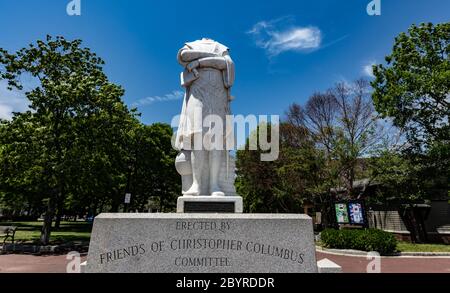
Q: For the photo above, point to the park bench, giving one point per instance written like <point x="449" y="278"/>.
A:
<point x="7" y="232"/>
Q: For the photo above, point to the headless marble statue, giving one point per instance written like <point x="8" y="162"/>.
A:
<point x="208" y="77"/>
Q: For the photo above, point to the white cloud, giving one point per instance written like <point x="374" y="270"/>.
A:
<point x="174" y="96"/>
<point x="368" y="69"/>
<point x="275" y="37"/>
<point x="11" y="101"/>
<point x="5" y="112"/>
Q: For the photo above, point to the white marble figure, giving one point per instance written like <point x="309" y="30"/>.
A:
<point x="208" y="77"/>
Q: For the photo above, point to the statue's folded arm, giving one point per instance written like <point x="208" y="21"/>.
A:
<point x="213" y="62"/>
<point x="187" y="56"/>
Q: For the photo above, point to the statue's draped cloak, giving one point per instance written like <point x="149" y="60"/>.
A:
<point x="206" y="94"/>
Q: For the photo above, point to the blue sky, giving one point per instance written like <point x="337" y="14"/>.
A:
<point x="284" y="50"/>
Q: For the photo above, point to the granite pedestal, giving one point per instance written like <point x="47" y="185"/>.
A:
<point x="202" y="243"/>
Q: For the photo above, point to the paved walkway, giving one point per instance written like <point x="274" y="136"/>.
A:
<point x="403" y="264"/>
<point x="350" y="264"/>
<point x="16" y="263"/>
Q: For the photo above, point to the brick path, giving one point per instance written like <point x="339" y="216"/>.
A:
<point x="15" y="263"/>
<point x="350" y="264"/>
<point x="358" y="264"/>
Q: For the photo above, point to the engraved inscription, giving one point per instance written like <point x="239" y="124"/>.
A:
<point x="203" y="226"/>
<point x="202" y="262"/>
<point x="122" y="253"/>
<point x="199" y="246"/>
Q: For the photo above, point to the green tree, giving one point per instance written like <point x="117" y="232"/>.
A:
<point x="256" y="179"/>
<point x="343" y="125"/>
<point x="74" y="110"/>
<point x="405" y="182"/>
<point x="153" y="173"/>
<point x="413" y="87"/>
<point x="284" y="185"/>
<point x="399" y="177"/>
<point x="320" y="148"/>
<point x="20" y="167"/>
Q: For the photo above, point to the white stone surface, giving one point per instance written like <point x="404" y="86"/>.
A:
<point x="237" y="200"/>
<point x="208" y="77"/>
<point x="326" y="266"/>
<point x="83" y="267"/>
<point x="224" y="243"/>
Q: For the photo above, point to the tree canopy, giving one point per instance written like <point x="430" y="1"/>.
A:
<point x="413" y="87"/>
<point x="78" y="148"/>
<point x="321" y="146"/>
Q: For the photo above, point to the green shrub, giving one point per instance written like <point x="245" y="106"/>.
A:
<point x="365" y="240"/>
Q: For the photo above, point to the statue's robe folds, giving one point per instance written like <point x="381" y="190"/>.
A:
<point x="206" y="94"/>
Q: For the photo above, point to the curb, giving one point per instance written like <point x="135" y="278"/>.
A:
<point x="351" y="252"/>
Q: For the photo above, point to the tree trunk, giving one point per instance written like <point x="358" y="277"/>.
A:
<point x="351" y="191"/>
<point x="415" y="224"/>
<point x="58" y="220"/>
<point x="59" y="214"/>
<point x="29" y="211"/>
<point x="115" y="207"/>
<point x="142" y="207"/>
<point x="420" y="222"/>
<point x="324" y="210"/>
<point x="48" y="219"/>
<point x="100" y="210"/>
<point x="94" y="208"/>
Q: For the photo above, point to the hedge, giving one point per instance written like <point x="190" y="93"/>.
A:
<point x="365" y="240"/>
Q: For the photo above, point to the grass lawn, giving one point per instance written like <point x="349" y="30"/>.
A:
<point x="410" y="247"/>
<point x="29" y="232"/>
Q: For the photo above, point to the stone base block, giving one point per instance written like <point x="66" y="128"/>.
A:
<point x="83" y="267"/>
<point x="326" y="266"/>
<point x="202" y="243"/>
<point x="210" y="204"/>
